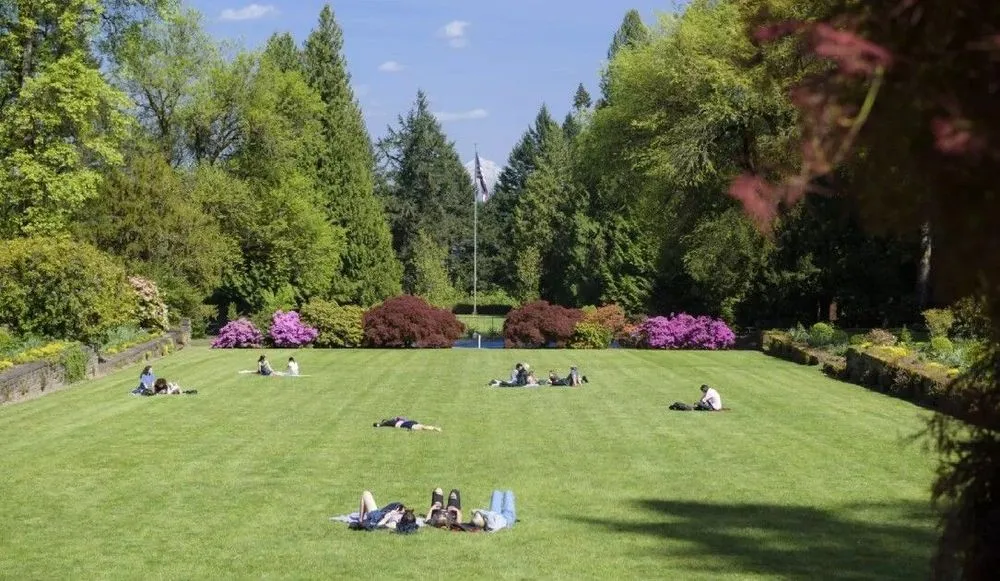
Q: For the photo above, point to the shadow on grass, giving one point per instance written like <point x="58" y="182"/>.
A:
<point x="859" y="542"/>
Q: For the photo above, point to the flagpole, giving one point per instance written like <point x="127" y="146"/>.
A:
<point x="475" y="239"/>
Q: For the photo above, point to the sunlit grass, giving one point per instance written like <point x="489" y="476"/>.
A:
<point x="806" y="478"/>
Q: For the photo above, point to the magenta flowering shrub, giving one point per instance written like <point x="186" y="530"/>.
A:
<point x="287" y="330"/>
<point x="684" y="331"/>
<point x="238" y="334"/>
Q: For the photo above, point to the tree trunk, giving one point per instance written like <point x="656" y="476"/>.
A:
<point x="924" y="273"/>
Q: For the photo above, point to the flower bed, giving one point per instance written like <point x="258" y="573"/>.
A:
<point x="890" y="368"/>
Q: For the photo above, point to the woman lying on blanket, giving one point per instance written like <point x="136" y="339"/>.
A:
<point x="401" y="422"/>
<point x="393" y="516"/>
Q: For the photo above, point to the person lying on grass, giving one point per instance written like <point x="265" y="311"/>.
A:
<point x="501" y="514"/>
<point x="574" y="378"/>
<point x="441" y="516"/>
<point x="394" y="516"/>
<point x="405" y="423"/>
<point x="162" y="387"/>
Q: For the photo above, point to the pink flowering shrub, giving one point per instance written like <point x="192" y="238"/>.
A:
<point x="238" y="334"/>
<point x="684" y="331"/>
<point x="287" y="330"/>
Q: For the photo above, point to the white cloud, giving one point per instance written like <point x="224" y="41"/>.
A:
<point x="462" y="115"/>
<point x="251" y="12"/>
<point x="390" y="67"/>
<point x="454" y="31"/>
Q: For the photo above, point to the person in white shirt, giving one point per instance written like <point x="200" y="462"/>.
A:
<point x="710" y="400"/>
<point x="293" y="367"/>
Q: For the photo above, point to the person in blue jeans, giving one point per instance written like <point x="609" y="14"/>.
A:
<point x="501" y="514"/>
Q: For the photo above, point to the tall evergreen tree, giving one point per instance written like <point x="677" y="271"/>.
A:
<point x="429" y="190"/>
<point x="570" y="127"/>
<point x="632" y="33"/>
<point x="282" y="52"/>
<point x="370" y="271"/>
<point x="545" y="208"/>
<point x="429" y="272"/>
<point x="496" y="238"/>
<point x="581" y="100"/>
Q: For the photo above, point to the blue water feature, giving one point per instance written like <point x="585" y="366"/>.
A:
<point x="486" y="343"/>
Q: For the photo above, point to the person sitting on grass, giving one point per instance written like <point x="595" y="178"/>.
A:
<point x="405" y="423"/>
<point x="518" y="377"/>
<point x="264" y="366"/>
<point x="441" y="516"/>
<point x="710" y="400"/>
<point x="293" y="367"/>
<point x="146" y="382"/>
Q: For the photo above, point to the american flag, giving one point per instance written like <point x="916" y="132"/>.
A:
<point x="480" y="181"/>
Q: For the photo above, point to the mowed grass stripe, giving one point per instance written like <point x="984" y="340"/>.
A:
<point x="805" y="478"/>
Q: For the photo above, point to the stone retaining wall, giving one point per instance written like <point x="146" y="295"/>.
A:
<point x="31" y="380"/>
<point x="776" y="344"/>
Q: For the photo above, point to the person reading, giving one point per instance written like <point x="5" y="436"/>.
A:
<point x="710" y="400"/>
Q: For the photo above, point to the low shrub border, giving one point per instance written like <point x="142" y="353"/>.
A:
<point x="895" y="378"/>
<point x="878" y="369"/>
<point x="37" y="378"/>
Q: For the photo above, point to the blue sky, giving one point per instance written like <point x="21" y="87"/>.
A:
<point x="486" y="67"/>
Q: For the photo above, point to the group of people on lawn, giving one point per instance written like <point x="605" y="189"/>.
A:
<point x="523" y="376"/>
<point x="398" y="517"/>
<point x="264" y="367"/>
<point x="448" y="515"/>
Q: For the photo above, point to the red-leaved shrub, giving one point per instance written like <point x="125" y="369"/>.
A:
<point x="539" y="324"/>
<point x="409" y="321"/>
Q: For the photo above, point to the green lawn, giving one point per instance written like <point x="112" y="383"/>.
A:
<point x="484" y="324"/>
<point x="806" y="478"/>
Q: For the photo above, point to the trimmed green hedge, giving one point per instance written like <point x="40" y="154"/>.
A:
<point x="884" y="371"/>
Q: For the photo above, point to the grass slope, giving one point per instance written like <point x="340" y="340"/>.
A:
<point x="485" y="324"/>
<point x="806" y="478"/>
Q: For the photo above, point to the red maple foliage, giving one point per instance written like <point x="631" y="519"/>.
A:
<point x="540" y="324"/>
<point x="410" y="321"/>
